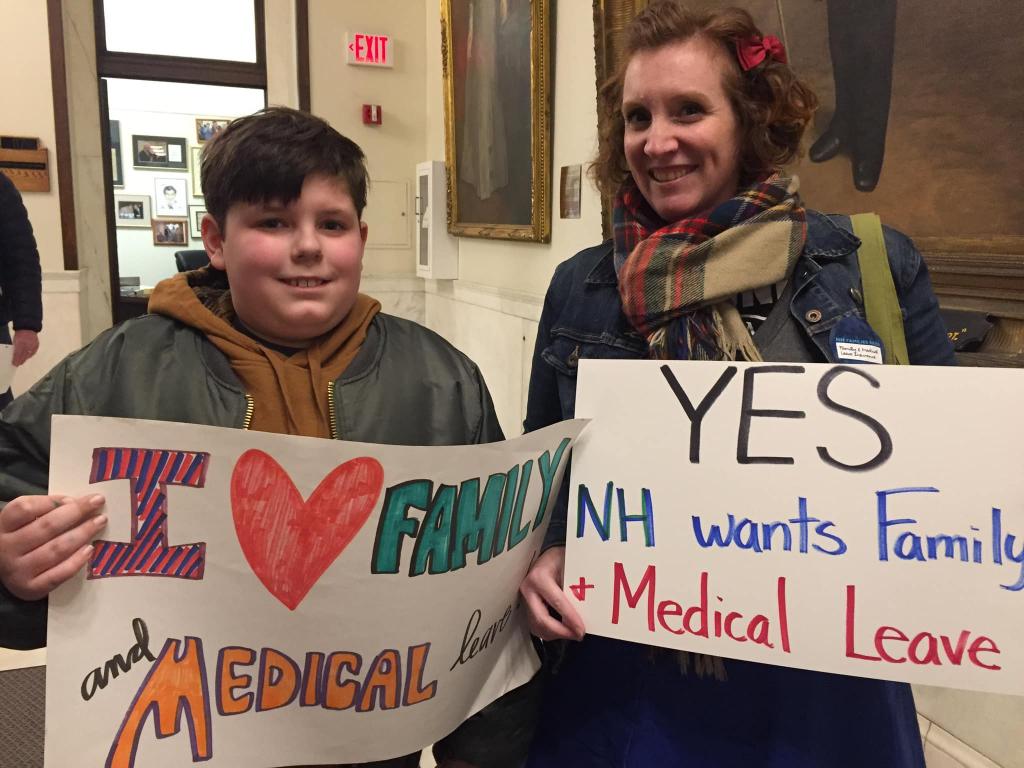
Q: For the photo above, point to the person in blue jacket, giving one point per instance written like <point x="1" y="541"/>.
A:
<point x="714" y="257"/>
<point x="21" y="299"/>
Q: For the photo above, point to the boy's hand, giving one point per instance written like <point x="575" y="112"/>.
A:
<point x="44" y="541"/>
<point x="542" y="591"/>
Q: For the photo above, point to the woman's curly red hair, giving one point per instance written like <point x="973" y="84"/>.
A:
<point x="773" y="105"/>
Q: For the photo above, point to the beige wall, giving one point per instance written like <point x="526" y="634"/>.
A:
<point x="26" y="109"/>
<point x="337" y="92"/>
<point x="282" y="66"/>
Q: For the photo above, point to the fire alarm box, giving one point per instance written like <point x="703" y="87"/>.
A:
<point x="372" y="114"/>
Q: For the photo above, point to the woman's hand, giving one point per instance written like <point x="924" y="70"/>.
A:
<point x="44" y="541"/>
<point x="542" y="591"/>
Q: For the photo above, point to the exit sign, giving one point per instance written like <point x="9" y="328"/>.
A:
<point x="374" y="50"/>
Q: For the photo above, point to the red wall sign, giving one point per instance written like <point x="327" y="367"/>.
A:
<point x="373" y="50"/>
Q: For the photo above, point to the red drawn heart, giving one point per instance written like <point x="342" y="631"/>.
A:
<point x="288" y="542"/>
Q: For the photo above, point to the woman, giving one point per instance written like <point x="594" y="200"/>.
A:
<point x="702" y="115"/>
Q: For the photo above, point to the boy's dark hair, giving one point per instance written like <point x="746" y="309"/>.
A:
<point x="268" y="155"/>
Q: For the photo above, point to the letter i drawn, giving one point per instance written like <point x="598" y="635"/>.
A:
<point x="149" y="553"/>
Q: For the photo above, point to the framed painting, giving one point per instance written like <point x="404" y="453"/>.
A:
<point x="208" y="127"/>
<point x="160" y="152"/>
<point x="132" y="210"/>
<point x="170" y="196"/>
<point x="169" y="231"/>
<point x="497" y="69"/>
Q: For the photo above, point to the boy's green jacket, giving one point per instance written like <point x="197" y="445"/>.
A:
<point x="406" y="386"/>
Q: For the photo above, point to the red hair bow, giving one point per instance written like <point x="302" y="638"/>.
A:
<point x="753" y="50"/>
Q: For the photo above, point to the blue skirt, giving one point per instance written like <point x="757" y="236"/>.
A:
<point x="623" y="705"/>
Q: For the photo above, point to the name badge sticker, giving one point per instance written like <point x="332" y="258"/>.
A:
<point x="854" y="341"/>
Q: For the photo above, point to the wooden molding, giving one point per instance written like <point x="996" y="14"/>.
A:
<point x="981" y="282"/>
<point x="302" y="52"/>
<point x="62" y="129"/>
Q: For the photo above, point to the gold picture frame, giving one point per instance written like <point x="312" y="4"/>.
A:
<point x="610" y="20"/>
<point x="499" y="165"/>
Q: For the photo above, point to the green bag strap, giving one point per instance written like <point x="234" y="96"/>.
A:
<point x="881" y="304"/>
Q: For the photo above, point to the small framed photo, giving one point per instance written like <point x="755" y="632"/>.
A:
<point x="196" y="168"/>
<point x="132" y="210"/>
<point x="208" y="127"/>
<point x="170" y="194"/>
<point x="167" y="152"/>
<point x="170" y="231"/>
<point x="195" y="220"/>
<point x="116" y="163"/>
<point x="571" y="188"/>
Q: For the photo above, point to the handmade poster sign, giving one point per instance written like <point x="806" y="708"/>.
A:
<point x="265" y="600"/>
<point x="6" y="366"/>
<point x="835" y="518"/>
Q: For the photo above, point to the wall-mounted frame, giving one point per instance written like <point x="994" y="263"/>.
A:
<point x="132" y="211"/>
<point x="195" y="168"/>
<point x="195" y="220"/>
<point x="160" y="152"/>
<point x="208" y="127"/>
<point x="498" y="162"/>
<point x="116" y="160"/>
<point x="170" y="196"/>
<point x="169" y="231"/>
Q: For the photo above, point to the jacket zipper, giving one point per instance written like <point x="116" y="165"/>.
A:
<point x="331" y="415"/>
<point x="250" y="406"/>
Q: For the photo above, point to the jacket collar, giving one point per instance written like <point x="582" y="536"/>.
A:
<point x="603" y="272"/>
<point x="826" y="239"/>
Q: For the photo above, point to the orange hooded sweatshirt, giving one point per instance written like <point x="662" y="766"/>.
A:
<point x="288" y="394"/>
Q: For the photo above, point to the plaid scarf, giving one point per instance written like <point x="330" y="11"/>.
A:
<point x="678" y="281"/>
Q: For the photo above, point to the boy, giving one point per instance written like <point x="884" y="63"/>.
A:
<point x="274" y="336"/>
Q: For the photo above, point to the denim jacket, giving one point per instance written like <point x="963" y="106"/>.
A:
<point x="582" y="317"/>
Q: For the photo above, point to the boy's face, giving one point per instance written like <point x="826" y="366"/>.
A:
<point x="294" y="269"/>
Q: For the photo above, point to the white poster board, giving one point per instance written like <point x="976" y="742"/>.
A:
<point x="266" y="600"/>
<point x="864" y="520"/>
<point x="6" y="366"/>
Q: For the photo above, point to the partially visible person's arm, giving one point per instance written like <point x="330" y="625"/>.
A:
<point x="20" y="273"/>
<point x="32" y="518"/>
<point x="542" y="587"/>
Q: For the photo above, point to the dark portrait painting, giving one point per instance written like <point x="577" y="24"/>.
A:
<point x="497" y="119"/>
